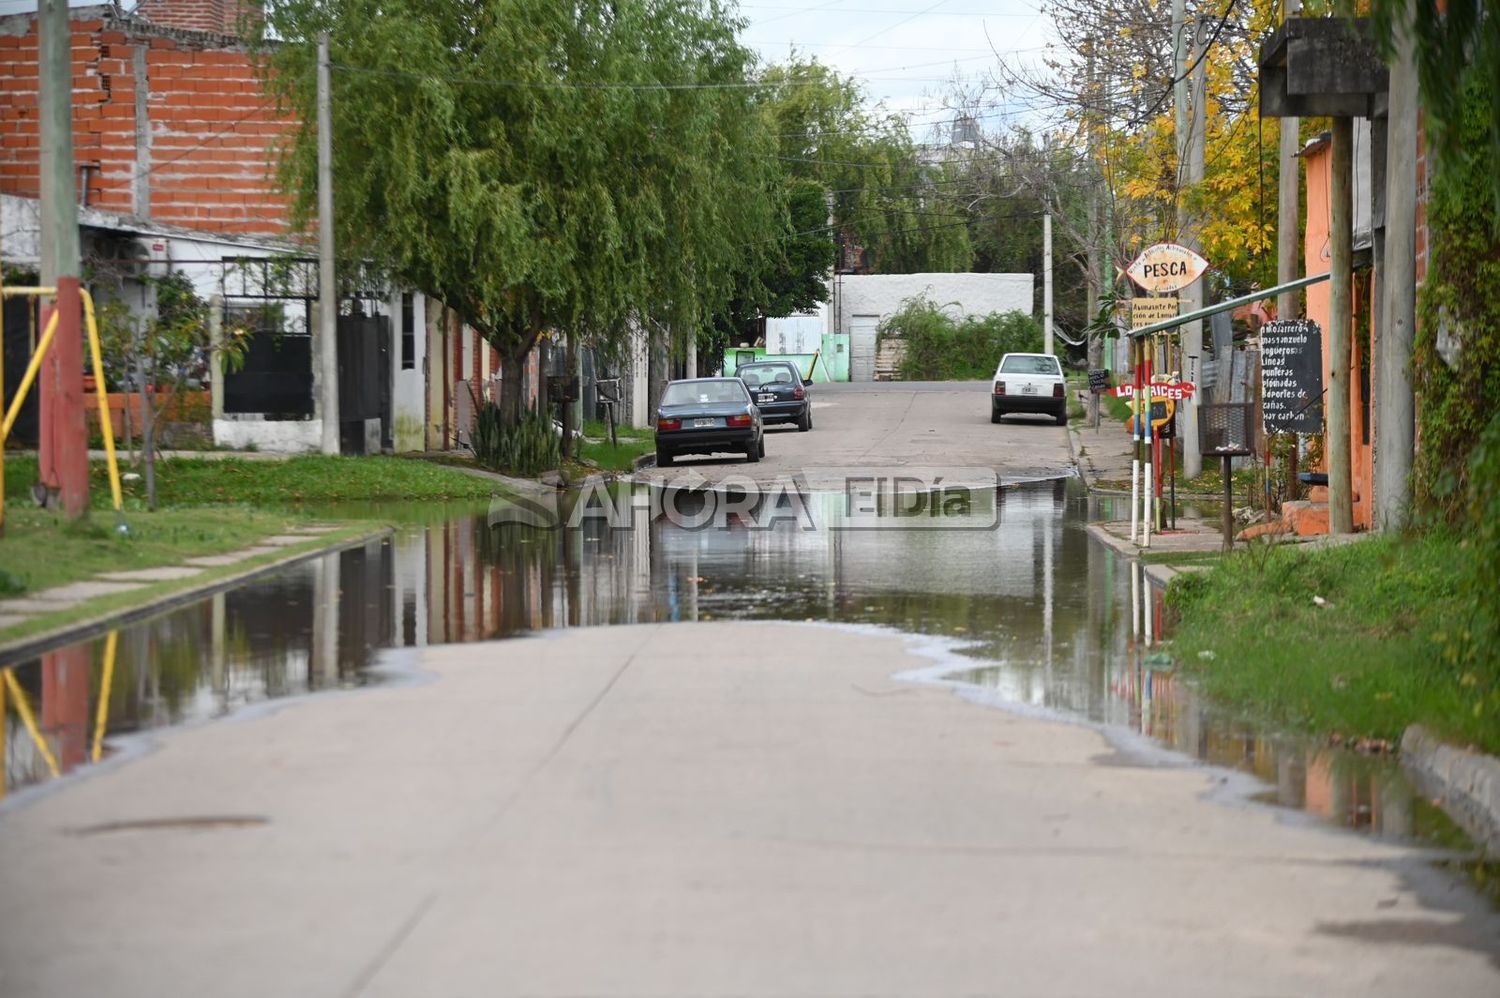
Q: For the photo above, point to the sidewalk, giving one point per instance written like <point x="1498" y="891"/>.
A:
<point x="1104" y="455"/>
<point x="86" y="603"/>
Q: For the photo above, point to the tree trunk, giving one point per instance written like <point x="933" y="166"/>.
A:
<point x="569" y="410"/>
<point x="511" y="368"/>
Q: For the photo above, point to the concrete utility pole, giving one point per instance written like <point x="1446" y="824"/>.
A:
<point x="1340" y="323"/>
<point x="1192" y="296"/>
<point x="326" y="369"/>
<point x="1395" y="409"/>
<point x="1288" y="205"/>
<point x="63" y="454"/>
<point x="1047" y="279"/>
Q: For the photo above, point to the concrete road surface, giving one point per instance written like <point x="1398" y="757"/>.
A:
<point x="894" y="425"/>
<point x="697" y="809"/>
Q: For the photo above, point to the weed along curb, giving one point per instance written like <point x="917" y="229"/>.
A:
<point x="1465" y="783"/>
<point x="170" y="594"/>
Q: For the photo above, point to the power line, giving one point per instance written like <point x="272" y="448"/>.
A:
<point x="569" y="85"/>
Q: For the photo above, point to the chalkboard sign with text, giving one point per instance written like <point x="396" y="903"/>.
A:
<point x="1291" y="376"/>
<point x="1098" y="380"/>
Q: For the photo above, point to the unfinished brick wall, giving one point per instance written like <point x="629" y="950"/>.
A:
<point x="197" y="149"/>
<point x="220" y="16"/>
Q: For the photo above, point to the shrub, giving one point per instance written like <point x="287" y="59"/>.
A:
<point x="940" y="347"/>
<point x="528" y="448"/>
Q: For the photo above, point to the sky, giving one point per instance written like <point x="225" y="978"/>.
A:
<point x="907" y="51"/>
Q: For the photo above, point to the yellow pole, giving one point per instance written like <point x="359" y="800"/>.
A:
<point x="104" y="421"/>
<point x="2" y="494"/>
<point x="18" y="290"/>
<point x="4" y="744"/>
<point x="30" y="376"/>
<point x="101" y="716"/>
<point x="24" y="709"/>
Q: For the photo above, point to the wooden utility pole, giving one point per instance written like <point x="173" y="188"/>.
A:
<point x="326" y="365"/>
<point x="63" y="452"/>
<point x="1395" y="409"/>
<point x="1340" y="325"/>
<point x="1288" y="205"/>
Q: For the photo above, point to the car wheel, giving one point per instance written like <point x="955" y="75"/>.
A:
<point x="995" y="414"/>
<point x="753" y="451"/>
<point x="1062" y="418"/>
<point x="760" y="445"/>
<point x="804" y="422"/>
<point x="663" y="458"/>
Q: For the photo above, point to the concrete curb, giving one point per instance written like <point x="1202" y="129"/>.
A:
<point x="643" y="462"/>
<point x="80" y="629"/>
<point x="1464" y="783"/>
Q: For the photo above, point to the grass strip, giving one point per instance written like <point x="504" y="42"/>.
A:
<point x="309" y="479"/>
<point x="1358" y="640"/>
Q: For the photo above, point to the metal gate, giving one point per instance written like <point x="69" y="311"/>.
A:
<point x="862" y="329"/>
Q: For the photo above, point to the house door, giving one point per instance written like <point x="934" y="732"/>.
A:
<point x="862" y="347"/>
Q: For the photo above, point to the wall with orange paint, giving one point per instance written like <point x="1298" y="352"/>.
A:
<point x="1316" y="160"/>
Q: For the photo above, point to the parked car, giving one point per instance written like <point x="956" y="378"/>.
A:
<point x="779" y="392"/>
<point x="1029" y="382"/>
<point x="707" y="416"/>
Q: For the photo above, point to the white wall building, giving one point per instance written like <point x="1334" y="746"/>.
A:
<point x="861" y="301"/>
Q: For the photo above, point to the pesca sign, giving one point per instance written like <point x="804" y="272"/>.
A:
<point x="1166" y="267"/>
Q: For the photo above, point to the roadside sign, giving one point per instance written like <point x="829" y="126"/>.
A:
<point x="1098" y="380"/>
<point x="1166" y="267"/>
<point x="1176" y="390"/>
<point x="1291" y="376"/>
<point x="1146" y="311"/>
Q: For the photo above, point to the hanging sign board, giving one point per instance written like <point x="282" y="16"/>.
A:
<point x="1176" y="390"/>
<point x="1148" y="311"/>
<point x="1291" y="376"/>
<point x="1166" y="267"/>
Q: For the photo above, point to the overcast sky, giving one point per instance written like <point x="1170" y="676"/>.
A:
<point x="906" y="51"/>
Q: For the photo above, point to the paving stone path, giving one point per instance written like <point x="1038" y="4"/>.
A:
<point x="14" y="612"/>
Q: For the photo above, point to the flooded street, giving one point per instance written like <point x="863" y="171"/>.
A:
<point x="1052" y="621"/>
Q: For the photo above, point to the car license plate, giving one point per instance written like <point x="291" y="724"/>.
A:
<point x="704" y="424"/>
<point x="1028" y="389"/>
<point x="764" y="397"/>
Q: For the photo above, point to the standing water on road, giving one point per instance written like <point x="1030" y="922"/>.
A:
<point x="1015" y="582"/>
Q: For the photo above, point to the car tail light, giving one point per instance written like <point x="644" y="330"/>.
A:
<point x="1057" y="391"/>
<point x="740" y="420"/>
<point x="999" y="388"/>
<point x="798" y="392"/>
<point x="669" y="424"/>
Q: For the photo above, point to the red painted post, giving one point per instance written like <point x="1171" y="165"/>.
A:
<point x="64" y="453"/>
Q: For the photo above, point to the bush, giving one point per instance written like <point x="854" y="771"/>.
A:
<point x="526" y="449"/>
<point x="940" y="347"/>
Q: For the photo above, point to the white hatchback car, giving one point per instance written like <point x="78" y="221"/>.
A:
<point x="1029" y="382"/>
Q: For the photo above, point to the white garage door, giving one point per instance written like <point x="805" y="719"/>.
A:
<point x="862" y="347"/>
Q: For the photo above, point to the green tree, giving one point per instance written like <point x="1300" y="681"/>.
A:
<point x="534" y="165"/>
<point x="884" y="197"/>
<point x="158" y="353"/>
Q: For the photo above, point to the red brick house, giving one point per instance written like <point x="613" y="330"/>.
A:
<point x="169" y="120"/>
<point x="175" y="144"/>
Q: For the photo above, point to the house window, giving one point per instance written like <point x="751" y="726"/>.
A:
<point x="408" y="332"/>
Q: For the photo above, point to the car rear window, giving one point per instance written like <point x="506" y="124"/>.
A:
<point x="768" y="374"/>
<point x="688" y="392"/>
<point x="1030" y="365"/>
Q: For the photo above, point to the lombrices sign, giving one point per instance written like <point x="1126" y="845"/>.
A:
<point x="1166" y="267"/>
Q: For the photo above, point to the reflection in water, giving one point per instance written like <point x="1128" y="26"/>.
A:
<point x="1051" y="618"/>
